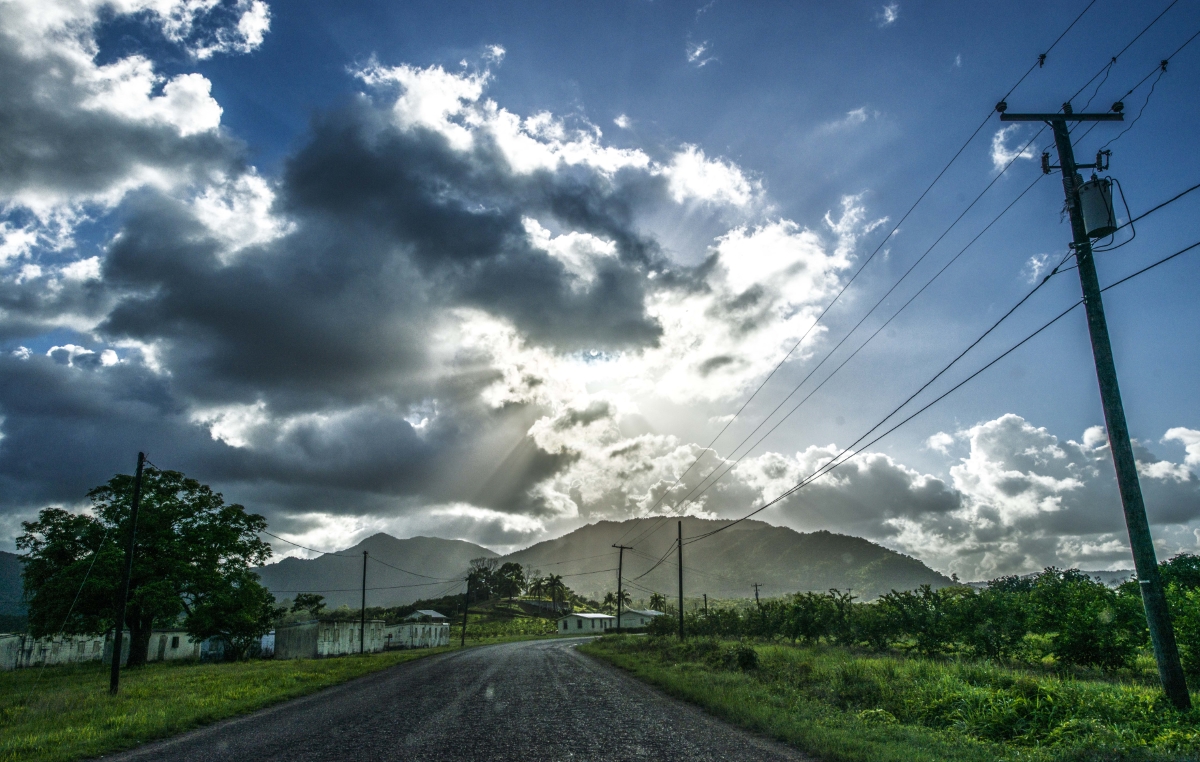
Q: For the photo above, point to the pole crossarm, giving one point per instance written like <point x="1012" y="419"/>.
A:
<point x="1060" y="117"/>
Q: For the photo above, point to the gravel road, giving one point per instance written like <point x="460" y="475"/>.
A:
<point x="534" y="700"/>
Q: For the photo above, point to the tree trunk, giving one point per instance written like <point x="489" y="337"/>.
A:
<point x="140" y="630"/>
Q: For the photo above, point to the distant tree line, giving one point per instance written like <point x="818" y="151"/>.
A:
<point x="1065" y="615"/>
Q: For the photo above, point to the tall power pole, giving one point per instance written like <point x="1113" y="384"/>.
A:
<point x="466" y="607"/>
<point x="680" y="543"/>
<point x="362" y="629"/>
<point x="620" y="566"/>
<point x="757" y="585"/>
<point x="114" y="679"/>
<point x="1158" y="617"/>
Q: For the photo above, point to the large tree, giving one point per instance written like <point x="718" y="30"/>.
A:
<point x="192" y="561"/>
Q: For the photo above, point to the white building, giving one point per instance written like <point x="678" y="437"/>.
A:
<point x="313" y="639"/>
<point x="633" y="618"/>
<point x="22" y="650"/>
<point x="417" y="635"/>
<point x="585" y="623"/>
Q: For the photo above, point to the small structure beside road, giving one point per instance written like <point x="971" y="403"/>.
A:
<point x="634" y="618"/>
<point x="588" y="623"/>
<point x="316" y="639"/>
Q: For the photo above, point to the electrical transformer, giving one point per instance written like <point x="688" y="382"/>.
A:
<point x="1095" y="198"/>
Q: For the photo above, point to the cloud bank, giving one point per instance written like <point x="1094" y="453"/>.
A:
<point x="441" y="316"/>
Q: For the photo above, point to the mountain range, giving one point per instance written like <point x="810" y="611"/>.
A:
<point x="724" y="565"/>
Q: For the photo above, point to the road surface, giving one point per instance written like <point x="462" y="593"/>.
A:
<point x="533" y="700"/>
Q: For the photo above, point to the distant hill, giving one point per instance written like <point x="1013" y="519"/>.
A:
<point x="341" y="575"/>
<point x="10" y="585"/>
<point x="727" y="564"/>
<point x="1111" y="578"/>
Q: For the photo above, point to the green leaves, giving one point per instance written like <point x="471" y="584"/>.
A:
<point x="192" y="559"/>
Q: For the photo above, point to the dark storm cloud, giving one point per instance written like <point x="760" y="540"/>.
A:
<point x="331" y="329"/>
<point x="458" y="217"/>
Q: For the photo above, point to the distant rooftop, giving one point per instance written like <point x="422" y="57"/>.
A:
<point x="591" y="616"/>
<point x="426" y="614"/>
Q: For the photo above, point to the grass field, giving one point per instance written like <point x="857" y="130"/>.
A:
<point x="848" y="707"/>
<point x="69" y="715"/>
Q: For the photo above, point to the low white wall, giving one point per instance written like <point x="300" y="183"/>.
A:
<point x="417" y="635"/>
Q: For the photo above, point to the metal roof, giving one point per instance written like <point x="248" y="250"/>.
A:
<point x="426" y="612"/>
<point x="590" y="616"/>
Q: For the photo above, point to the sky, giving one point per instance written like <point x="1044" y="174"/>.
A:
<point x="494" y="272"/>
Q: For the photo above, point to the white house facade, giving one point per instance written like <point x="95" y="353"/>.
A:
<point x="633" y="618"/>
<point x="585" y="624"/>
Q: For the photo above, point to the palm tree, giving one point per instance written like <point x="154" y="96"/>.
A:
<point x="610" y="602"/>
<point x="555" y="587"/>
<point x="658" y="601"/>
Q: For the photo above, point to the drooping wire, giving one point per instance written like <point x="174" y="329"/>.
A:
<point x="70" y="610"/>
<point x="305" y="547"/>
<point x="1142" y="110"/>
<point x="1108" y="66"/>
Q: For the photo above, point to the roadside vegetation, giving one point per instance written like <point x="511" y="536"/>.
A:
<point x="848" y="705"/>
<point x="1055" y="666"/>
<point x="65" y="713"/>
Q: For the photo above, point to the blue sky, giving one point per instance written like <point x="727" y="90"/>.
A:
<point x="646" y="204"/>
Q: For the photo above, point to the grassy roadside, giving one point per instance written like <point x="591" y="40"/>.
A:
<point x="846" y="707"/>
<point x="69" y="714"/>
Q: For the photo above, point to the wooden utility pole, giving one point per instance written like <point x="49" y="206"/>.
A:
<point x="466" y="607"/>
<point x="362" y="629"/>
<point x="620" y="565"/>
<point x="757" y="585"/>
<point x="114" y="679"/>
<point x="680" y="544"/>
<point x="706" y="604"/>
<point x="1158" y="617"/>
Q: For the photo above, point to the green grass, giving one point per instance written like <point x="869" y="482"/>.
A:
<point x="69" y="715"/>
<point x="844" y="706"/>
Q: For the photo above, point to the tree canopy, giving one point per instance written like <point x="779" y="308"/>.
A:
<point x="191" y="564"/>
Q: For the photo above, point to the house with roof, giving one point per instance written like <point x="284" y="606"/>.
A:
<point x="585" y="624"/>
<point x="427" y="615"/>
<point x="635" y="618"/>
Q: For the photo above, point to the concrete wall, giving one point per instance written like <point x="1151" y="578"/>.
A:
<point x="296" y="641"/>
<point x="417" y="635"/>
<point x="341" y="638"/>
<point x="311" y="640"/>
<point x="17" y="651"/>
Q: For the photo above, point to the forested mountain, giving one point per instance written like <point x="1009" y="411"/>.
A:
<point x="727" y="564"/>
<point x="339" y="577"/>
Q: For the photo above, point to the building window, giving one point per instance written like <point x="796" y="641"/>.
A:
<point x="579" y="624"/>
<point x="174" y="641"/>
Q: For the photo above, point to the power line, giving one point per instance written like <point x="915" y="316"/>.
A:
<point x="728" y="466"/>
<point x="1037" y="64"/>
<point x="1108" y="66"/>
<point x="397" y="568"/>
<point x="835" y="462"/>
<point x="304" y="547"/>
<point x="358" y="589"/>
<point x="838" y="460"/>
<point x="1164" y="260"/>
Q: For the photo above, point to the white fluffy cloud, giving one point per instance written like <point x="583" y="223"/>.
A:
<point x="1002" y="154"/>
